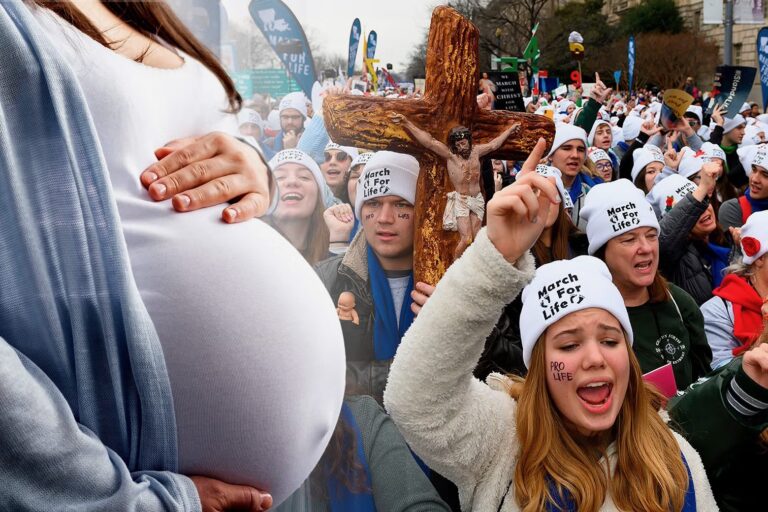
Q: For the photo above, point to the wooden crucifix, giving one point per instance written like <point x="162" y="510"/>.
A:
<point x="450" y="101"/>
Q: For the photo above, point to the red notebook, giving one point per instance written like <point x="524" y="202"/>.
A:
<point x="664" y="380"/>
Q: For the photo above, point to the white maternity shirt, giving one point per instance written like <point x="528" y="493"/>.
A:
<point x="251" y="340"/>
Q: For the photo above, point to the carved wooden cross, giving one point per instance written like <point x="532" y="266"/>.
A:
<point x="450" y="99"/>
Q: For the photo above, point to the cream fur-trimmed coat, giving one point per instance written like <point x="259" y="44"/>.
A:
<point x="461" y="427"/>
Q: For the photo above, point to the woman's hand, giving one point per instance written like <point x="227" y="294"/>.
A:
<point x="420" y="294"/>
<point x="498" y="181"/>
<point x="600" y="92"/>
<point x="517" y="213"/>
<point x="218" y="496"/>
<point x="198" y="172"/>
<point x="650" y="128"/>
<point x="717" y="115"/>
<point x="671" y="157"/>
<point x="755" y="364"/>
<point x="340" y="220"/>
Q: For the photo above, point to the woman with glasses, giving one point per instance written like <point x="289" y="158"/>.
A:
<point x="599" y="162"/>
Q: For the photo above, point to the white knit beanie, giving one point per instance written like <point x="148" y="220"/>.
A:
<point x="565" y="132"/>
<point x="296" y="156"/>
<point x="697" y="111"/>
<point x="712" y="151"/>
<point x="248" y="115"/>
<point x="295" y="100"/>
<point x="595" y="126"/>
<point x="387" y="174"/>
<point x="666" y="193"/>
<point x="549" y="171"/>
<point x="349" y="150"/>
<point x="760" y="157"/>
<point x="746" y="156"/>
<point x="597" y="154"/>
<point x="643" y="157"/>
<point x="754" y="237"/>
<point x="631" y="128"/>
<point x="745" y="107"/>
<point x="612" y="209"/>
<point x="733" y="123"/>
<point x="362" y="158"/>
<point x="689" y="165"/>
<point x="564" y="287"/>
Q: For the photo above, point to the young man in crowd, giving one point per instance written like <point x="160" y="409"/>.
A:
<point x="293" y="114"/>
<point x="728" y="134"/>
<point x="377" y="270"/>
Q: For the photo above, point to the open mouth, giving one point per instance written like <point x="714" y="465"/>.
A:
<point x="596" y="396"/>
<point x="291" y="197"/>
<point x="385" y="235"/>
<point x="644" y="266"/>
<point x="706" y="219"/>
<point x="333" y="172"/>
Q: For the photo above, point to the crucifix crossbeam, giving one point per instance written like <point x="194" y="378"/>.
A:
<point x="450" y="100"/>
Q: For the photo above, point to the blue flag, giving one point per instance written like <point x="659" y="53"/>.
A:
<point x="372" y="38"/>
<point x="354" y="42"/>
<point x="286" y="37"/>
<point x="631" y="61"/>
<point x="617" y="77"/>
<point x="762" y="61"/>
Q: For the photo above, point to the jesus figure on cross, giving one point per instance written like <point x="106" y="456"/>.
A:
<point x="465" y="206"/>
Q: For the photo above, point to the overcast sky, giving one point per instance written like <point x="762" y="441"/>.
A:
<point x="398" y="23"/>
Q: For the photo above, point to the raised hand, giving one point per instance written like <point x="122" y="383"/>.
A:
<point x="516" y="214"/>
<point x="671" y="157"/>
<point x="197" y="172"/>
<point x="650" y="128"/>
<point x="600" y="93"/>
<point x="717" y="115"/>
<point x="340" y="221"/>
<point x="708" y="177"/>
<point x="755" y="364"/>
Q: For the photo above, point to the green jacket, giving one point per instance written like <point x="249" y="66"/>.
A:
<point x="672" y="332"/>
<point x="722" y="418"/>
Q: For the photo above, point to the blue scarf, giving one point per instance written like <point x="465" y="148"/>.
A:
<point x="355" y="229"/>
<point x="341" y="498"/>
<point x="386" y="332"/>
<point x="576" y="187"/>
<point x="758" y="205"/>
<point x="565" y="503"/>
<point x="717" y="256"/>
<point x="68" y="300"/>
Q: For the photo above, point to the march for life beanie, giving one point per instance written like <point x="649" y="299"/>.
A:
<point x="564" y="287"/>
<point x="666" y="193"/>
<point x="612" y="209"/>
<point x="387" y="174"/>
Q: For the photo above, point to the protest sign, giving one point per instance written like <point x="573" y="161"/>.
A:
<point x="673" y="106"/>
<point x="762" y="60"/>
<point x="732" y="86"/>
<point x="508" y="94"/>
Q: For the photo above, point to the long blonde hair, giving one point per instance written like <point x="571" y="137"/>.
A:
<point x="649" y="476"/>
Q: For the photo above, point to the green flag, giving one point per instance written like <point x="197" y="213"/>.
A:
<point x="532" y="52"/>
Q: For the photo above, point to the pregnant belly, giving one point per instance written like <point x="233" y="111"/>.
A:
<point x="252" y="343"/>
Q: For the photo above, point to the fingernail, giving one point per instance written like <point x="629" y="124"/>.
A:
<point x="160" y="189"/>
<point x="266" y="501"/>
<point x="231" y="214"/>
<point x="184" y="200"/>
<point x="152" y="177"/>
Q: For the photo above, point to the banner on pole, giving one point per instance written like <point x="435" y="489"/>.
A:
<point x="286" y="37"/>
<point x="748" y="12"/>
<point x="354" y="43"/>
<point x="762" y="61"/>
<point x="617" y="77"/>
<point x="370" y="48"/>
<point x="631" y="59"/>
<point x="732" y="86"/>
<point x="713" y="12"/>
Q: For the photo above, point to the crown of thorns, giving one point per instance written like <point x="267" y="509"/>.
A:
<point x="459" y="133"/>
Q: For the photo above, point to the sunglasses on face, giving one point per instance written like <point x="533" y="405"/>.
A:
<point x="340" y="157"/>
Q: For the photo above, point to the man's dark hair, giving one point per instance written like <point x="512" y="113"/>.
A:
<point x="458" y="133"/>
